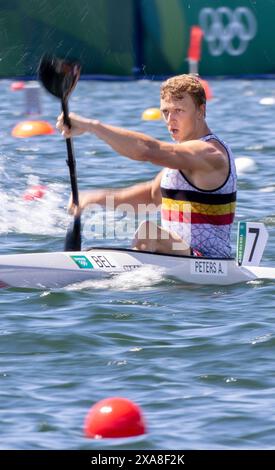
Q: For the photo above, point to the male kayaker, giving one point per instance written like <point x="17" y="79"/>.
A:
<point x="196" y="188"/>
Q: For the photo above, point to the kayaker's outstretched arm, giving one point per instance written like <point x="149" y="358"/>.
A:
<point x="190" y="155"/>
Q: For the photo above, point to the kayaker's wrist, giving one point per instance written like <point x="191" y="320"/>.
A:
<point x="92" y="125"/>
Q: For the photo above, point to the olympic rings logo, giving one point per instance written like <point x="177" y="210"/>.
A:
<point x="227" y="30"/>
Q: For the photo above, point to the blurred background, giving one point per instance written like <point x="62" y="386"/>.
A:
<point x="138" y="38"/>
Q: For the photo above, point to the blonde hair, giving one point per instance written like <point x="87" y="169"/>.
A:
<point x="176" y="87"/>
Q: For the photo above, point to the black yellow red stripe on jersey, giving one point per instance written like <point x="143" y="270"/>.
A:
<point x="197" y="207"/>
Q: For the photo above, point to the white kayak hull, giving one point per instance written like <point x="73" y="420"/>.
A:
<point x="59" y="269"/>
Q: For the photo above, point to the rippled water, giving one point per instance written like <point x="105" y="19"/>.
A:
<point x="198" y="360"/>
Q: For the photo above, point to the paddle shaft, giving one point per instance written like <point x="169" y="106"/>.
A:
<point x="73" y="237"/>
<point x="70" y="153"/>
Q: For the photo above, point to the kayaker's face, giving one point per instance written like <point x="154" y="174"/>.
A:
<point x="183" y="118"/>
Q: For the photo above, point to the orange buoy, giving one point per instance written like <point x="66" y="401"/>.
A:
<point x="15" y="86"/>
<point x="114" y="417"/>
<point x="31" y="128"/>
<point x="34" y="192"/>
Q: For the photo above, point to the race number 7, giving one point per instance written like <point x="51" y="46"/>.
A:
<point x="256" y="231"/>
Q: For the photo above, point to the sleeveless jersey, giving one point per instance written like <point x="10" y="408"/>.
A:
<point x="202" y="218"/>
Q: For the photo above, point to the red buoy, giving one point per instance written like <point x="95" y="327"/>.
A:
<point x="34" y="192"/>
<point x="15" y="86"/>
<point x="114" y="417"/>
<point x="207" y="89"/>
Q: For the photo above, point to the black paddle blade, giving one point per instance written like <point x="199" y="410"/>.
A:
<point x="73" y="236"/>
<point x="58" y="76"/>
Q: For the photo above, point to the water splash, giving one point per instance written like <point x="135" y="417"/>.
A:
<point x="145" y="277"/>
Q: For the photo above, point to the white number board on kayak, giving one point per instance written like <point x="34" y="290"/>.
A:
<point x="252" y="238"/>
